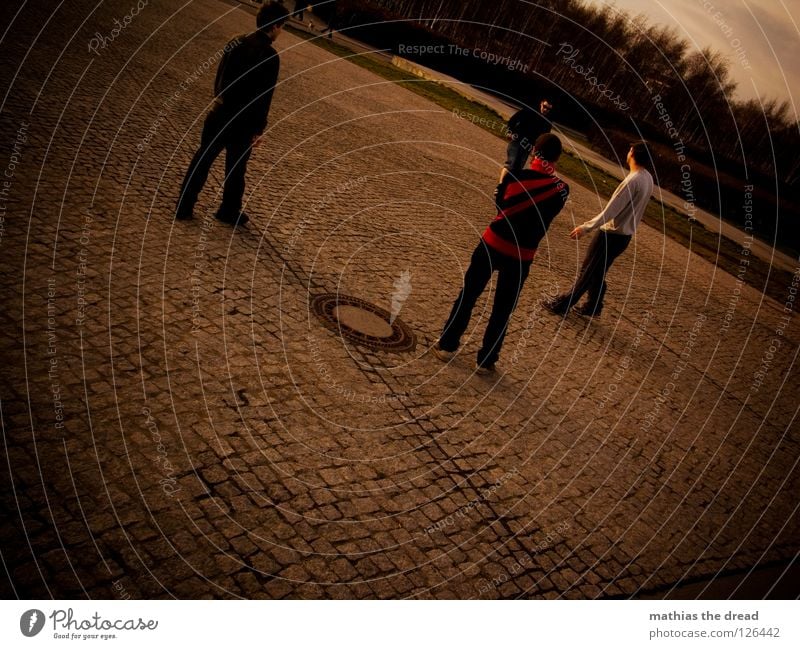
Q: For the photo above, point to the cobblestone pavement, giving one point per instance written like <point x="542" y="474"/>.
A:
<point x="178" y="424"/>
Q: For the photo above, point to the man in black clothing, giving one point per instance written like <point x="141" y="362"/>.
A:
<point x="245" y="81"/>
<point x="528" y="202"/>
<point x="524" y="127"/>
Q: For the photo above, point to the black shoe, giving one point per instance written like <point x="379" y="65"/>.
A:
<point x="555" y="306"/>
<point x="588" y="310"/>
<point x="233" y="219"/>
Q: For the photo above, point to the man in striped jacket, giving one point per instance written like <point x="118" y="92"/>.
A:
<point x="528" y="201"/>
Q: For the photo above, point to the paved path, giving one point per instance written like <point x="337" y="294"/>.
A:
<point x="178" y="424"/>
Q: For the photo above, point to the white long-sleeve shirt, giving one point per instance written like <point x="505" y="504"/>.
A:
<point x="626" y="206"/>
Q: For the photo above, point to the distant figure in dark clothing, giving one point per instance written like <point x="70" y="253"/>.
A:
<point x="530" y="200"/>
<point x="524" y="127"/>
<point x="245" y="81"/>
<point x="331" y="20"/>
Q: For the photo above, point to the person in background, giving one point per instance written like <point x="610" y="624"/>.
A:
<point x="523" y="128"/>
<point x="332" y="19"/>
<point x="614" y="227"/>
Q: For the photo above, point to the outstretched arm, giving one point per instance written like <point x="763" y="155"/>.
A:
<point x="620" y="199"/>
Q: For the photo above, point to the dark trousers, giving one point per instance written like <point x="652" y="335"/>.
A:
<point x="219" y="132"/>
<point x="602" y="251"/>
<point x="511" y="275"/>
<point x="517" y="153"/>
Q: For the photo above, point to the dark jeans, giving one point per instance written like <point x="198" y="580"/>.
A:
<point x="511" y="275"/>
<point x="602" y="251"/>
<point x="517" y="153"/>
<point x="219" y="132"/>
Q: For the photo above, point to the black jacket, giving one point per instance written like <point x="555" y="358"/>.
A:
<point x="528" y="123"/>
<point x="246" y="79"/>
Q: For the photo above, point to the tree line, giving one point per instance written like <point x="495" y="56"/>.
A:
<point x="558" y="40"/>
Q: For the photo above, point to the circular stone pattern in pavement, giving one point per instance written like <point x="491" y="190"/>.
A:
<point x="363" y="323"/>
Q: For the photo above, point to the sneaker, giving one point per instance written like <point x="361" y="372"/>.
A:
<point x="485" y="369"/>
<point x="588" y="310"/>
<point x="233" y="219"/>
<point x="555" y="306"/>
<point x="442" y="354"/>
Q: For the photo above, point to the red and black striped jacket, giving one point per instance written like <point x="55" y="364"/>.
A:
<point x="528" y="204"/>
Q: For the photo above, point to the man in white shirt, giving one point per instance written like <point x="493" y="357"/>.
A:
<point x="615" y="225"/>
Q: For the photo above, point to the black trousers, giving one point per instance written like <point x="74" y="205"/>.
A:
<point x="602" y="251"/>
<point x="511" y="276"/>
<point x="517" y="153"/>
<point x="219" y="132"/>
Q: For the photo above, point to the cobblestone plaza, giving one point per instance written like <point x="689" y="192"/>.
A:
<point x="179" y="423"/>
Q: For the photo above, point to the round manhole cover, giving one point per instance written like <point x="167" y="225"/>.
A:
<point x="363" y="323"/>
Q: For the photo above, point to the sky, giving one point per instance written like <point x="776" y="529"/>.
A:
<point x="760" y="38"/>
